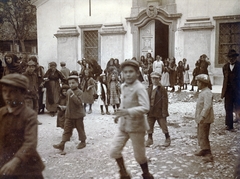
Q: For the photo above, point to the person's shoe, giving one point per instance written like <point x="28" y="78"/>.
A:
<point x="167" y="142"/>
<point x="191" y="90"/>
<point x="200" y="153"/>
<point x="230" y="129"/>
<point x="59" y="146"/>
<point x="90" y="111"/>
<point x="102" y="113"/>
<point x="81" y="145"/>
<point x="235" y="121"/>
<point x="149" y="142"/>
<point x="124" y="175"/>
<point x="39" y="123"/>
<point x="147" y="176"/>
<point x="108" y="113"/>
<point x="208" y="158"/>
<point x="52" y="114"/>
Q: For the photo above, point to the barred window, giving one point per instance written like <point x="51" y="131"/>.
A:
<point x="229" y="38"/>
<point x="91" y="44"/>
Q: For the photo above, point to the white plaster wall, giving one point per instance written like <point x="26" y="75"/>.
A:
<point x="55" y="13"/>
<point x="210" y="8"/>
<point x="47" y="24"/>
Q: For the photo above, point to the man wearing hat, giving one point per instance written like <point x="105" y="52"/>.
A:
<point x="65" y="71"/>
<point x="31" y="98"/>
<point x="204" y="116"/>
<point x="132" y="122"/>
<point x="231" y="88"/>
<point x="158" y="108"/>
<point x="18" y="132"/>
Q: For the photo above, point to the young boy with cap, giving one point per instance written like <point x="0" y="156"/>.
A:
<point x="74" y="115"/>
<point x="204" y="116"/>
<point x="158" y="108"/>
<point x="18" y="132"/>
<point x="31" y="98"/>
<point x="65" y="71"/>
<point x="132" y="122"/>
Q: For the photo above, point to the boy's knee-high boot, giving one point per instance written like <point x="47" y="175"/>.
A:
<point x="146" y="174"/>
<point x="123" y="172"/>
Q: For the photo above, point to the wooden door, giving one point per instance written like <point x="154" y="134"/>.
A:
<point x="147" y="39"/>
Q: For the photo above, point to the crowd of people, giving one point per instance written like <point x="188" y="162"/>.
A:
<point x="68" y="93"/>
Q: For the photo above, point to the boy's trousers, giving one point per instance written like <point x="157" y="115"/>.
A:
<point x="202" y="134"/>
<point x="138" y="140"/>
<point x="162" y="123"/>
<point x="69" y="125"/>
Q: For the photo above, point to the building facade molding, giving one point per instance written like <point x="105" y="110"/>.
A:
<point x="113" y="29"/>
<point x="198" y="23"/>
<point x="67" y="31"/>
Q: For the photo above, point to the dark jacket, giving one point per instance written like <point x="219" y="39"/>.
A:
<point x="160" y="107"/>
<point x="18" y="138"/>
<point x="75" y="109"/>
<point x="236" y="79"/>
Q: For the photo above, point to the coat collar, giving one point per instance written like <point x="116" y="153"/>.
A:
<point x="15" y="112"/>
<point x="128" y="85"/>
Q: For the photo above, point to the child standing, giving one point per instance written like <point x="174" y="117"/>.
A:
<point x="102" y="94"/>
<point x="194" y="73"/>
<point x="88" y="87"/>
<point x="62" y="106"/>
<point x="114" y="92"/>
<point x="74" y="115"/>
<point x="186" y="79"/>
<point x="158" y="108"/>
<point x="204" y="116"/>
<point x="132" y="123"/>
<point x="31" y="97"/>
<point x="180" y="71"/>
<point x="165" y="74"/>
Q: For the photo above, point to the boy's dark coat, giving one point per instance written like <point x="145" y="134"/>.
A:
<point x="18" y="138"/>
<point x="160" y="108"/>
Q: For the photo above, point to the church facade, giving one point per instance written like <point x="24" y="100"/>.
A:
<point x="69" y="30"/>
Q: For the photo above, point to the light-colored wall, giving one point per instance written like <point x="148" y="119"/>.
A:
<point x="55" y="13"/>
<point x="47" y="24"/>
<point x="191" y="44"/>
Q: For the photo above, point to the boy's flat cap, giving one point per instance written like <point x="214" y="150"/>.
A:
<point x="203" y="78"/>
<point x="16" y="80"/>
<point x="155" y="74"/>
<point x="132" y="63"/>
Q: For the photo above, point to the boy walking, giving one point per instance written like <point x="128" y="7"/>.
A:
<point x="158" y="108"/>
<point x="132" y="123"/>
<point x="74" y="115"/>
<point x="204" y="116"/>
<point x="18" y="132"/>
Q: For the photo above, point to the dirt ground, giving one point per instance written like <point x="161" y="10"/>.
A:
<point x="175" y="161"/>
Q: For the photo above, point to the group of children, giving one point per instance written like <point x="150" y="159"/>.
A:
<point x="136" y="103"/>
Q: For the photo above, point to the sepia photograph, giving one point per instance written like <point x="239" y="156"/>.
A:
<point x="119" y="89"/>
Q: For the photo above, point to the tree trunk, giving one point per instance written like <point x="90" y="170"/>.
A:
<point x="23" y="45"/>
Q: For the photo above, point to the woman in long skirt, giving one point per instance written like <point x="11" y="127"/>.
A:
<point x="52" y="85"/>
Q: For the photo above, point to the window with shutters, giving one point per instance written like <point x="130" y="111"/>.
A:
<point x="227" y="37"/>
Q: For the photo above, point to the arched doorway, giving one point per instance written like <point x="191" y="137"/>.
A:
<point x="154" y="39"/>
<point x="154" y="34"/>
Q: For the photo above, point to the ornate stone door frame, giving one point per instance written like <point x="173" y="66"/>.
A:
<point x="144" y="17"/>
